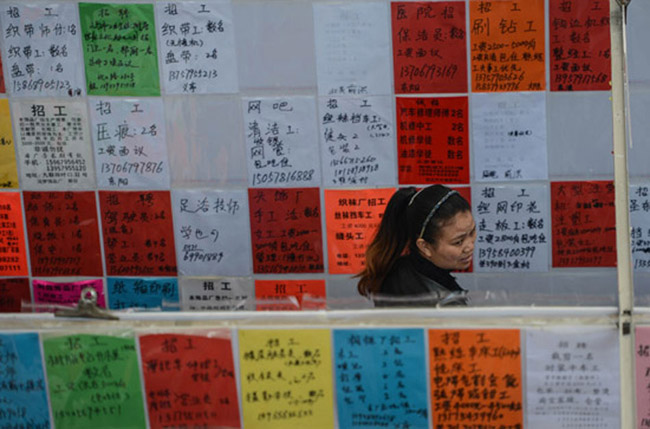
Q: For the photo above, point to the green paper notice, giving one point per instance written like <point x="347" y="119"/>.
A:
<point x="94" y="382"/>
<point x="119" y="43"/>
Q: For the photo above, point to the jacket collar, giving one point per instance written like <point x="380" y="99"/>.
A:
<point x="429" y="269"/>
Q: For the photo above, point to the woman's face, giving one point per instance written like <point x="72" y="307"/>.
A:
<point x="454" y="248"/>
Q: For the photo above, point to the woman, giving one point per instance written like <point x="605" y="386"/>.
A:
<point x="422" y="237"/>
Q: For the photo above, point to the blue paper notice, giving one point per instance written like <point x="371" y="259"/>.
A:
<point x="381" y="378"/>
<point x="143" y="293"/>
<point x="23" y="400"/>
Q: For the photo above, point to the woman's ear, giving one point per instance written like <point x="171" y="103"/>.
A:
<point x="423" y="247"/>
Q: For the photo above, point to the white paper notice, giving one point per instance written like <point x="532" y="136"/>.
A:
<point x="217" y="294"/>
<point x="42" y="49"/>
<point x="351" y="48"/>
<point x="640" y="221"/>
<point x="512" y="228"/>
<point x="281" y="142"/>
<point x="197" y="47"/>
<point x="211" y="232"/>
<point x="129" y="139"/>
<point x="509" y="133"/>
<point x="572" y="378"/>
<point x="357" y="141"/>
<point x="53" y="144"/>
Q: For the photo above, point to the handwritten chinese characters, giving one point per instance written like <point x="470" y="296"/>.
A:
<point x="286" y="230"/>
<point x="281" y="140"/>
<point x="509" y="136"/>
<point x="287" y="295"/>
<point x="93" y="381"/>
<point x="642" y="337"/>
<point x="507" y="45"/>
<point x="63" y="233"/>
<point x="352" y="218"/>
<point x="286" y="378"/>
<point x="66" y="293"/>
<point x="432" y="140"/>
<point x="216" y="294"/>
<point x="475" y="378"/>
<point x="143" y="293"/>
<point x="357" y="141"/>
<point x="42" y="49"/>
<point x="580" y="45"/>
<point x="23" y="402"/>
<point x="379" y="379"/>
<point x="189" y="381"/>
<point x="119" y="45"/>
<point x="138" y="233"/>
<point x="129" y="139"/>
<point x="13" y="254"/>
<point x="640" y="221"/>
<point x="512" y="226"/>
<point x="584" y="227"/>
<point x="8" y="169"/>
<point x="351" y="54"/>
<point x="572" y="378"/>
<point x="429" y="47"/>
<point x="53" y="144"/>
<point x="212" y="232"/>
<point x="197" y="47"/>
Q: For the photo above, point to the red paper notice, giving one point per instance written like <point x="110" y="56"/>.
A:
<point x="286" y="230"/>
<point x="189" y="381"/>
<point x="584" y="224"/>
<point x="432" y="140"/>
<point x="138" y="233"/>
<point x="288" y="294"/>
<point x="507" y="45"/>
<point x="579" y="45"/>
<point x="12" y="293"/>
<point x="63" y="233"/>
<point x="13" y="255"/>
<point x="352" y="219"/>
<point x="429" y="47"/>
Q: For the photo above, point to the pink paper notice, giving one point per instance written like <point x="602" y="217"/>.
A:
<point x="643" y="376"/>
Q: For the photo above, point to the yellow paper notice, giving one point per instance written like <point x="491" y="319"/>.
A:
<point x="8" y="171"/>
<point x="286" y="378"/>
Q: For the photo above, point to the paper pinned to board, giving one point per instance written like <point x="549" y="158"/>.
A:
<point x="351" y="40"/>
<point x="572" y="378"/>
<point x="286" y="378"/>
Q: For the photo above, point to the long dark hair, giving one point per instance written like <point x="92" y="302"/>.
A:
<point x="402" y="224"/>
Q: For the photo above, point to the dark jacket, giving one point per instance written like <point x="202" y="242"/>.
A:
<point x="416" y="282"/>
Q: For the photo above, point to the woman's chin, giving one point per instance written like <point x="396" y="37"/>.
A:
<point x="464" y="264"/>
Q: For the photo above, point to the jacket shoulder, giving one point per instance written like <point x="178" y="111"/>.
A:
<point x="404" y="279"/>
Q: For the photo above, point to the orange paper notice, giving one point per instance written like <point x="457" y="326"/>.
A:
<point x="475" y="378"/>
<point x="352" y="218"/>
<point x="13" y="257"/>
<point x="507" y="45"/>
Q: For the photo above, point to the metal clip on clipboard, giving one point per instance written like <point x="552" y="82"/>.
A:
<point x="86" y="307"/>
